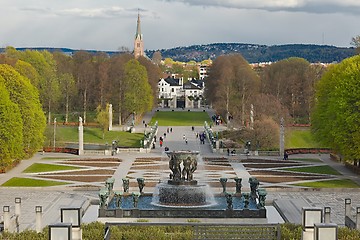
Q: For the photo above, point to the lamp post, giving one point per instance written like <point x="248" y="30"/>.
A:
<point x="6" y="212"/>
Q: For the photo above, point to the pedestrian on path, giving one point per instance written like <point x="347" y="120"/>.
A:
<point x="161" y="143"/>
<point x="186" y="141"/>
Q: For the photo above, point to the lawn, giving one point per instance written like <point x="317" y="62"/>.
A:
<point x="300" y="138"/>
<point x="315" y="169"/>
<point x="306" y="159"/>
<point x="41" y="167"/>
<point x="65" y="134"/>
<point x="29" y="182"/>
<point x="343" y="183"/>
<point x="168" y="118"/>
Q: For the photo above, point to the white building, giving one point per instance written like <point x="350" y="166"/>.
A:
<point x="174" y="93"/>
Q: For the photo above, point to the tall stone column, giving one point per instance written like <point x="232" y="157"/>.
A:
<point x="81" y="136"/>
<point x="174" y="101"/>
<point x="282" y="137"/>
<point x="110" y="117"/>
<point x="252" y="117"/>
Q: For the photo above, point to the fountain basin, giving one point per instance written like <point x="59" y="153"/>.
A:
<point x="182" y="195"/>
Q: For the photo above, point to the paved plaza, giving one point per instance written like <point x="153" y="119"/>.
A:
<point x="92" y="172"/>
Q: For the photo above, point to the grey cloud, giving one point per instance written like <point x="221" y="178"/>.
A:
<point x="309" y="6"/>
<point x="109" y="12"/>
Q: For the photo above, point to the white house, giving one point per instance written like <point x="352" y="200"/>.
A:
<point x="173" y="93"/>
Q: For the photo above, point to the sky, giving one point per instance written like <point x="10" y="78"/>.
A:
<point x="111" y="24"/>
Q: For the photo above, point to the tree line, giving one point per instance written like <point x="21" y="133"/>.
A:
<point x="284" y="89"/>
<point x="76" y="85"/>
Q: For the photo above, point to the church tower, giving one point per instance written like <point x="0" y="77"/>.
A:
<point x="138" y="43"/>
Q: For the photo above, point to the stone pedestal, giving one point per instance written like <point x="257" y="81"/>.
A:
<point x="308" y="234"/>
<point x="81" y="136"/>
<point x="38" y="222"/>
<point x="76" y="233"/>
<point x="110" y="117"/>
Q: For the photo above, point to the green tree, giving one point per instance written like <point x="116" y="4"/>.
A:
<point x="138" y="96"/>
<point x="102" y="117"/>
<point x="292" y="82"/>
<point x="355" y="41"/>
<point x="336" y="115"/>
<point x="11" y="129"/>
<point x="64" y="66"/>
<point x="48" y="85"/>
<point x="26" y="97"/>
<point x="230" y="87"/>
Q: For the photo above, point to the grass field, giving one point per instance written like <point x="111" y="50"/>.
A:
<point x="93" y="135"/>
<point x="41" y="167"/>
<point x="343" y="183"/>
<point x="29" y="182"/>
<point x="300" y="138"/>
<point x="315" y="169"/>
<point x="180" y="118"/>
<point x="305" y="159"/>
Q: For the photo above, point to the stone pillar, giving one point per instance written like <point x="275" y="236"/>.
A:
<point x="358" y="218"/>
<point x="110" y="117"/>
<point x="162" y="103"/>
<point x="252" y="117"/>
<point x="174" y="101"/>
<point x="282" y="137"/>
<point x="81" y="136"/>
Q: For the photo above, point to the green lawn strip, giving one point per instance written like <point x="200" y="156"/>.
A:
<point x="180" y="118"/>
<point x="306" y="159"/>
<point x="42" y="167"/>
<point x="340" y="183"/>
<point x="93" y="135"/>
<point x="315" y="169"/>
<point x="29" y="182"/>
<point x="300" y="138"/>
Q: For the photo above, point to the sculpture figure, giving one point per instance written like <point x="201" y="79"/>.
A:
<point x="125" y="184"/>
<point x="246" y="200"/>
<point x="223" y="183"/>
<point x="103" y="195"/>
<point x="118" y="199"/>
<point x="141" y="183"/>
<point x="254" y="184"/>
<point x="238" y="185"/>
<point x="135" y="199"/>
<point x="229" y="200"/>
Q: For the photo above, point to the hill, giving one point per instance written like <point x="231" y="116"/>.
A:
<point x="254" y="53"/>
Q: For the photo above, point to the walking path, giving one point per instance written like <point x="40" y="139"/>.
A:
<point x="289" y="200"/>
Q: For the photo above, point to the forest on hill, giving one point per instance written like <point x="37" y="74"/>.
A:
<point x="255" y="53"/>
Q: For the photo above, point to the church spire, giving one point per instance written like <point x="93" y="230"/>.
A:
<point x="138" y="43"/>
<point x="138" y="28"/>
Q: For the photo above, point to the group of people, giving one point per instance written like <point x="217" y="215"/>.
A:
<point x="161" y="138"/>
<point x="216" y="119"/>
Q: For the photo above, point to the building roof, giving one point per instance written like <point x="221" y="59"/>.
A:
<point x="172" y="81"/>
<point x="199" y="83"/>
<point x="190" y="85"/>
